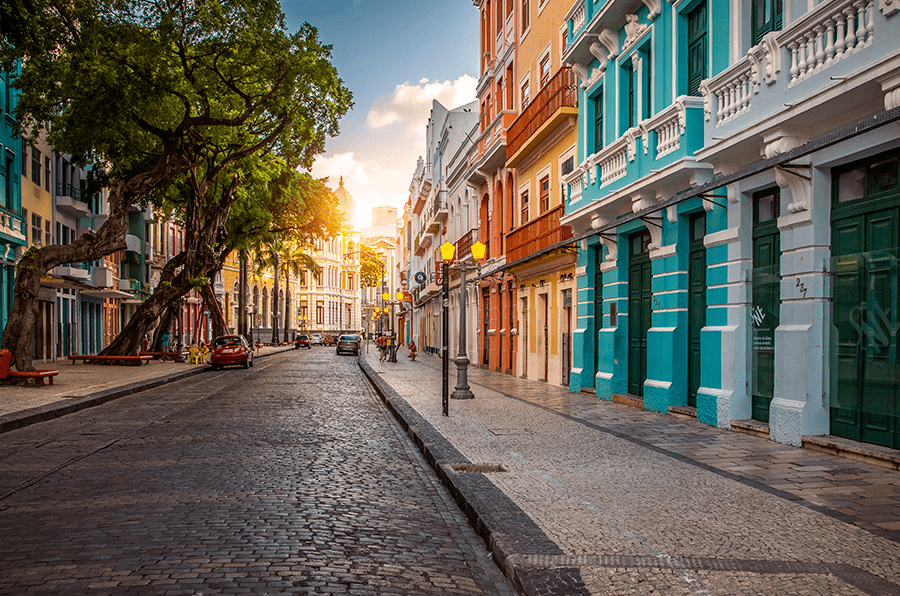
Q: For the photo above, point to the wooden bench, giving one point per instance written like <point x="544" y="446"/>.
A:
<point x="159" y="355"/>
<point x="129" y="360"/>
<point x="37" y="375"/>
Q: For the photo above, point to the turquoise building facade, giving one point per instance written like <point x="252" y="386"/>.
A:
<point x="744" y="306"/>
<point x="12" y="224"/>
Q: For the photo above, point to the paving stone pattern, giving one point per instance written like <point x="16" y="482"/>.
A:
<point x="645" y="503"/>
<point x="289" y="477"/>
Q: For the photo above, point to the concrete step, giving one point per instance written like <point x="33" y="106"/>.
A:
<point x="628" y="399"/>
<point x="683" y="412"/>
<point x="864" y="452"/>
<point x="751" y="427"/>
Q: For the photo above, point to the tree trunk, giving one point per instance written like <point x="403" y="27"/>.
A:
<point x="18" y="337"/>
<point x="275" y="306"/>
<point x="215" y="313"/>
<point x="287" y="303"/>
<point x="242" y="295"/>
<point x="165" y="326"/>
<point x="198" y="259"/>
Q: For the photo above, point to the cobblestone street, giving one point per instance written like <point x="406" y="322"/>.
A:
<point x="289" y="477"/>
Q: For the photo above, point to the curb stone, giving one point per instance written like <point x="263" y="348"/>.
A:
<point x="509" y="534"/>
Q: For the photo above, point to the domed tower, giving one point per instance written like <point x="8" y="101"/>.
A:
<point x="347" y="203"/>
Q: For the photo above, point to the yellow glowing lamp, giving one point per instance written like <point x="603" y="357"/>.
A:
<point x="478" y="250"/>
<point x="447" y="250"/>
<point x="400" y="296"/>
<point x="386" y="296"/>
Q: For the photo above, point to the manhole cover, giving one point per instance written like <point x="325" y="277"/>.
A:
<point x="477" y="468"/>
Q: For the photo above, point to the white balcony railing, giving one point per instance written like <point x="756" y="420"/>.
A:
<point x="575" y="182"/>
<point x="578" y="19"/>
<point x="669" y="124"/>
<point x="830" y="32"/>
<point x="822" y="37"/>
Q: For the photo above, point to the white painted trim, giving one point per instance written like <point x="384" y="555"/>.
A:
<point x="668" y="273"/>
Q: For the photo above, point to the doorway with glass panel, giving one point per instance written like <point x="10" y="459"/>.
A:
<point x="766" y="300"/>
<point x="865" y="265"/>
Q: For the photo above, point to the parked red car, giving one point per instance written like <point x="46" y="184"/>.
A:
<point x="302" y="341"/>
<point x="229" y="350"/>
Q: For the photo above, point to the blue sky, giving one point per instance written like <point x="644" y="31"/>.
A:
<point x="396" y="56"/>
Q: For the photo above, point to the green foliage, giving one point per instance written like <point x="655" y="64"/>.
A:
<point x="122" y="81"/>
<point x="198" y="283"/>
<point x="371" y="266"/>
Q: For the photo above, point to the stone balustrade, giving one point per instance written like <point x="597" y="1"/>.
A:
<point x="828" y="33"/>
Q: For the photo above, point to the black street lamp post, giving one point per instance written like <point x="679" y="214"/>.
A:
<point x="462" y="390"/>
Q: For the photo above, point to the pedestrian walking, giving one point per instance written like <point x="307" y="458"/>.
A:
<point x="165" y="347"/>
<point x="382" y="346"/>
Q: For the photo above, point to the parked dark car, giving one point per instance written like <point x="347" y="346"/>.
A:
<point x="302" y="341"/>
<point x="230" y="350"/>
<point x="348" y="343"/>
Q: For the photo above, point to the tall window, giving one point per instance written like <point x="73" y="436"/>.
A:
<point x="545" y="70"/>
<point x="767" y="16"/>
<point x="526" y="94"/>
<point x="697" y="52"/>
<point x="598" y="122"/>
<point x="526" y="15"/>
<point x="545" y="193"/>
<point x="37" y="228"/>
<point x="35" y="166"/>
<point x="4" y="185"/>
<point x="631" y="74"/>
<point x="566" y="168"/>
<point x="47" y="174"/>
<point x="524" y="207"/>
<point x="648" y="83"/>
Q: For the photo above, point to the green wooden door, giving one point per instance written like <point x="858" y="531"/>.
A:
<point x="696" y="302"/>
<point x="639" y="311"/>
<point x="865" y="238"/>
<point x="866" y="405"/>
<point x="598" y="304"/>
<point x="766" y="300"/>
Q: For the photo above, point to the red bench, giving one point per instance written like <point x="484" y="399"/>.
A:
<point x="37" y="375"/>
<point x="129" y="360"/>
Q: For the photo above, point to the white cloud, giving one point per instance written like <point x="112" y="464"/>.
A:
<point x="411" y="103"/>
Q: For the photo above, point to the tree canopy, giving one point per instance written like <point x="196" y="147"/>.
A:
<point x="166" y="100"/>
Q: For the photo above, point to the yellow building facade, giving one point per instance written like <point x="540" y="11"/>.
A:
<point x="542" y="148"/>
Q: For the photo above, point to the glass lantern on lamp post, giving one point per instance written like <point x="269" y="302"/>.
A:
<point x="462" y="390"/>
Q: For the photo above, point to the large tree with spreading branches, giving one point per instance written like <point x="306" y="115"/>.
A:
<point x="167" y="101"/>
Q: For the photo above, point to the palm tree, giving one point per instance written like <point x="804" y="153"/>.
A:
<point x="283" y="256"/>
<point x="294" y="261"/>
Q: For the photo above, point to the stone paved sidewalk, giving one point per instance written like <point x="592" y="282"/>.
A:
<point x="605" y="498"/>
